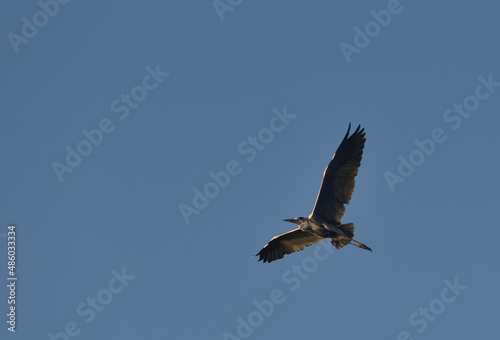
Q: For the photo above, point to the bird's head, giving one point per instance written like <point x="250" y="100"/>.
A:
<point x="296" y="220"/>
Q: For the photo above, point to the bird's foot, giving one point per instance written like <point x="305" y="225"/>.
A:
<point x="361" y="245"/>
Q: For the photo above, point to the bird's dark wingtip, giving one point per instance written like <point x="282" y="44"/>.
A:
<point x="358" y="129"/>
<point x="347" y="133"/>
<point x="259" y="255"/>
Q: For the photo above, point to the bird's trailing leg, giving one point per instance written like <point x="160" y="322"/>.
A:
<point x="360" y="245"/>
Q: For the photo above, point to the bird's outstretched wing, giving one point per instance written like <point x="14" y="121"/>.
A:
<point x="287" y="243"/>
<point x="338" y="180"/>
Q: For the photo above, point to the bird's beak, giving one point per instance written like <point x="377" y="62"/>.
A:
<point x="290" y="220"/>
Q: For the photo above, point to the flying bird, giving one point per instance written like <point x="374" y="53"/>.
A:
<point x="324" y="222"/>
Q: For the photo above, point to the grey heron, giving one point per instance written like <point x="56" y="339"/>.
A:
<point x="324" y="221"/>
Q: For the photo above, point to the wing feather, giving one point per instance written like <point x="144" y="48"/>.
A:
<point x="287" y="243"/>
<point x="338" y="179"/>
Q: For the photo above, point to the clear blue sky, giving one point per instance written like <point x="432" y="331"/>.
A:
<point x="115" y="114"/>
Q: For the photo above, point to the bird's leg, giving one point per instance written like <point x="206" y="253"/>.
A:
<point x="360" y="245"/>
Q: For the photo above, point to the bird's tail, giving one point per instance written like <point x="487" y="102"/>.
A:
<point x="340" y="241"/>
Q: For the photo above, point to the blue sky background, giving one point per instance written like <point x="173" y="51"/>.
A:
<point x="119" y="208"/>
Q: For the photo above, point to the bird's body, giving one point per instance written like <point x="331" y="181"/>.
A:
<point x="311" y="225"/>
<point x="324" y="222"/>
